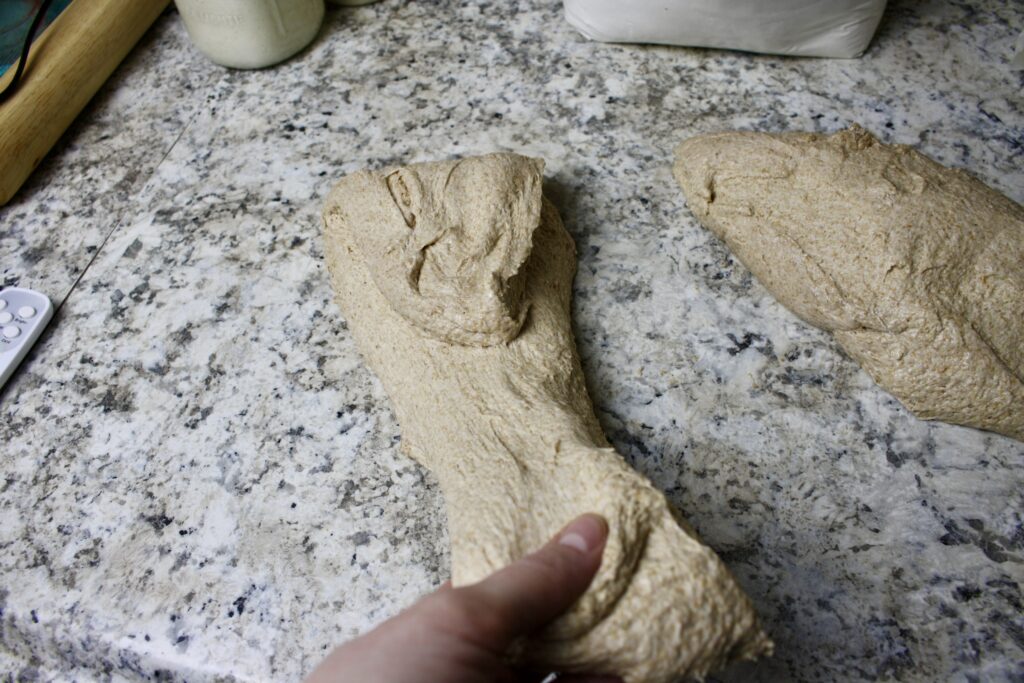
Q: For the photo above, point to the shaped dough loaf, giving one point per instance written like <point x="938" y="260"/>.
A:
<point x="455" y="279"/>
<point x="917" y="269"/>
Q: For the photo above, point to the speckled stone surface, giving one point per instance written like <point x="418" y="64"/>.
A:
<point x="201" y="481"/>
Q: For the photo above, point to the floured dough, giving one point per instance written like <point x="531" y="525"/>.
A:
<point x="455" y="278"/>
<point x="917" y="269"/>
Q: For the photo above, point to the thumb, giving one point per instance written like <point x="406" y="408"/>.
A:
<point x="526" y="595"/>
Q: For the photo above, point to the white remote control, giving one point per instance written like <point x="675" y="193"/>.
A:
<point x="23" y="315"/>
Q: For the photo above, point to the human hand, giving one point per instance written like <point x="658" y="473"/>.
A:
<point x="461" y="635"/>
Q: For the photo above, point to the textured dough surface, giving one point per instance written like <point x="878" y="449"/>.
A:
<point x="917" y="269"/>
<point x="455" y="279"/>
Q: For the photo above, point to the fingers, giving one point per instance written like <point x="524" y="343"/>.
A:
<point x="526" y="595"/>
<point x="463" y="633"/>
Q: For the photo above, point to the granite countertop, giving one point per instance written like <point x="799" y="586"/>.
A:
<point x="201" y="481"/>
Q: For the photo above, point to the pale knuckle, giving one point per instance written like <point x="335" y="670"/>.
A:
<point x="444" y="609"/>
<point x="458" y="614"/>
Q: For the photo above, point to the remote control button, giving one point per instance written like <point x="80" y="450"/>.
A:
<point x="11" y="331"/>
<point x="3" y="304"/>
<point x="26" y="312"/>
<point x="5" y="318"/>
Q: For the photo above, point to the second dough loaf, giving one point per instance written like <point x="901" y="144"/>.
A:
<point x="917" y="269"/>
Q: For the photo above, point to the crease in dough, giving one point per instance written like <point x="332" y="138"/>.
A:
<point x="481" y="366"/>
<point x="917" y="269"/>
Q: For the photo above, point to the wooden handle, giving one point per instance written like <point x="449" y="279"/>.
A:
<point x="66" y="66"/>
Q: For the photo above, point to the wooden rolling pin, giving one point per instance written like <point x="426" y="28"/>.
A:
<point x="68" y="63"/>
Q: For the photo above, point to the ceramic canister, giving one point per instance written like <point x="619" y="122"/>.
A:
<point x="249" y="34"/>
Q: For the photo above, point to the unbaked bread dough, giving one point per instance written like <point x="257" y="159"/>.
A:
<point x="455" y="278"/>
<point x="917" y="269"/>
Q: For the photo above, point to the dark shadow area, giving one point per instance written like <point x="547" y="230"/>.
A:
<point x="900" y="15"/>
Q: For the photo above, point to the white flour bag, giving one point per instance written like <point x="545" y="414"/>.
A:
<point x="811" y="28"/>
